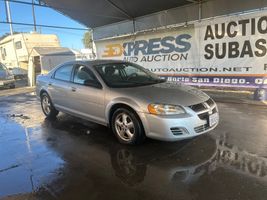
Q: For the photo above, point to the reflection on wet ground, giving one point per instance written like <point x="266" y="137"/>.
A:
<point x="70" y="158"/>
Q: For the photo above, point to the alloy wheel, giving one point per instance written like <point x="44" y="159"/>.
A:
<point x="46" y="104"/>
<point x="124" y="127"/>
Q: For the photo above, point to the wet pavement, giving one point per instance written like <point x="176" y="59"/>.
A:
<point x="70" y="158"/>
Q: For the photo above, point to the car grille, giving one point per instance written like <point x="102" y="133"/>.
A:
<point x="178" y="131"/>
<point x="201" y="106"/>
<point x="201" y="128"/>
<point x="210" y="102"/>
<point x="206" y="115"/>
<point x="204" y="109"/>
<point x="197" y="107"/>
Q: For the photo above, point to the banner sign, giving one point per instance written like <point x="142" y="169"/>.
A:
<point x="227" y="51"/>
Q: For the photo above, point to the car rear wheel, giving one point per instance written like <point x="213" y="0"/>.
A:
<point x="12" y="86"/>
<point x="47" y="106"/>
<point x="127" y="127"/>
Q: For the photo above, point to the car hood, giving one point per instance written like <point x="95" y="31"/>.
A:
<point x="168" y="93"/>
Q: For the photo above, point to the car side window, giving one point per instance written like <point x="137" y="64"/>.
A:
<point x="84" y="76"/>
<point x="64" y="73"/>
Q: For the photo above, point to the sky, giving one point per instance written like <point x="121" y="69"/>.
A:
<point x="23" y="14"/>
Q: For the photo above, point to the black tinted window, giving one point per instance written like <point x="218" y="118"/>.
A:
<point x="121" y="75"/>
<point x="18" y="45"/>
<point x="64" y="73"/>
<point x="82" y="75"/>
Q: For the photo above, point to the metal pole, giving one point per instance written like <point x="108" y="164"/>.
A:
<point x="9" y="20"/>
<point x="134" y="27"/>
<point x="33" y="15"/>
<point x="200" y="10"/>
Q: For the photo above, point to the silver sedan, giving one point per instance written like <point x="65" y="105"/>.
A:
<point x="131" y="100"/>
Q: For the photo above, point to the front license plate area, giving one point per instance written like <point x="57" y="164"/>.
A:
<point x="213" y="119"/>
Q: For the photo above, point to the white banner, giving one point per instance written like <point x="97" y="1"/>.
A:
<point x="226" y="51"/>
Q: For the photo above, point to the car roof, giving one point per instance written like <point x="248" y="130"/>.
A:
<point x="101" y="61"/>
<point x="89" y="63"/>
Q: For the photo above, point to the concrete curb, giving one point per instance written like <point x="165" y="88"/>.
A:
<point x="16" y="91"/>
<point x="229" y="96"/>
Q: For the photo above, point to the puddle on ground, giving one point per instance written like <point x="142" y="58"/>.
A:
<point x="70" y="158"/>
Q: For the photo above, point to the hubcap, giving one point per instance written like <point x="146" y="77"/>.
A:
<point x="46" y="105"/>
<point x="124" y="127"/>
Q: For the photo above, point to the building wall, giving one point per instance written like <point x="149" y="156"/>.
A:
<point x="48" y="62"/>
<point x="7" y="53"/>
<point x="21" y="45"/>
<point x="40" y="40"/>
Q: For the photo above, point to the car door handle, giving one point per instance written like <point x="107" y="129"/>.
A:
<point x="49" y="84"/>
<point x="73" y="89"/>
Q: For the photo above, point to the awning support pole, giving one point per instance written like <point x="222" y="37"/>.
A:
<point x="200" y="10"/>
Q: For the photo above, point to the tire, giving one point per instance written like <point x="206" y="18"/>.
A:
<point x="12" y="86"/>
<point x="127" y="127"/>
<point x="47" y="106"/>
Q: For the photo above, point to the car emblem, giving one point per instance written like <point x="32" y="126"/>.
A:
<point x="207" y="106"/>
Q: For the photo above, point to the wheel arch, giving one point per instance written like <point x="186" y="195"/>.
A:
<point x="128" y="107"/>
<point x="123" y="103"/>
<point x="42" y="91"/>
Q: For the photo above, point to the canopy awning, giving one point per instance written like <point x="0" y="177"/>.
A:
<point x="96" y="13"/>
<point x="52" y="51"/>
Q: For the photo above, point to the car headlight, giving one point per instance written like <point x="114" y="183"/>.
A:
<point x="164" y="109"/>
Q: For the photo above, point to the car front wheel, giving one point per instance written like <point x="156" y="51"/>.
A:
<point x="47" y="106"/>
<point x="127" y="127"/>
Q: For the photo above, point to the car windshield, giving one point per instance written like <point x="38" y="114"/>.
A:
<point x="121" y="75"/>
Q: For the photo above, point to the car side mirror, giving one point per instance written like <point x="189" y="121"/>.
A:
<point x="93" y="83"/>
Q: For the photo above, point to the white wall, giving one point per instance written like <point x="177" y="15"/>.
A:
<point x="28" y="42"/>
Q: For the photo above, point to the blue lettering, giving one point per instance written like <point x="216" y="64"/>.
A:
<point x="141" y="46"/>
<point x="164" y="45"/>
<point x="183" y="46"/>
<point x="167" y="44"/>
<point x="153" y="46"/>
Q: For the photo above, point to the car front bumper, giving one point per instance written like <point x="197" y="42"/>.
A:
<point x="6" y="83"/>
<point x="174" y="128"/>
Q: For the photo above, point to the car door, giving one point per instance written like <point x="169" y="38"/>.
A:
<point x="3" y="74"/>
<point x="59" y="87"/>
<point x="87" y="94"/>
